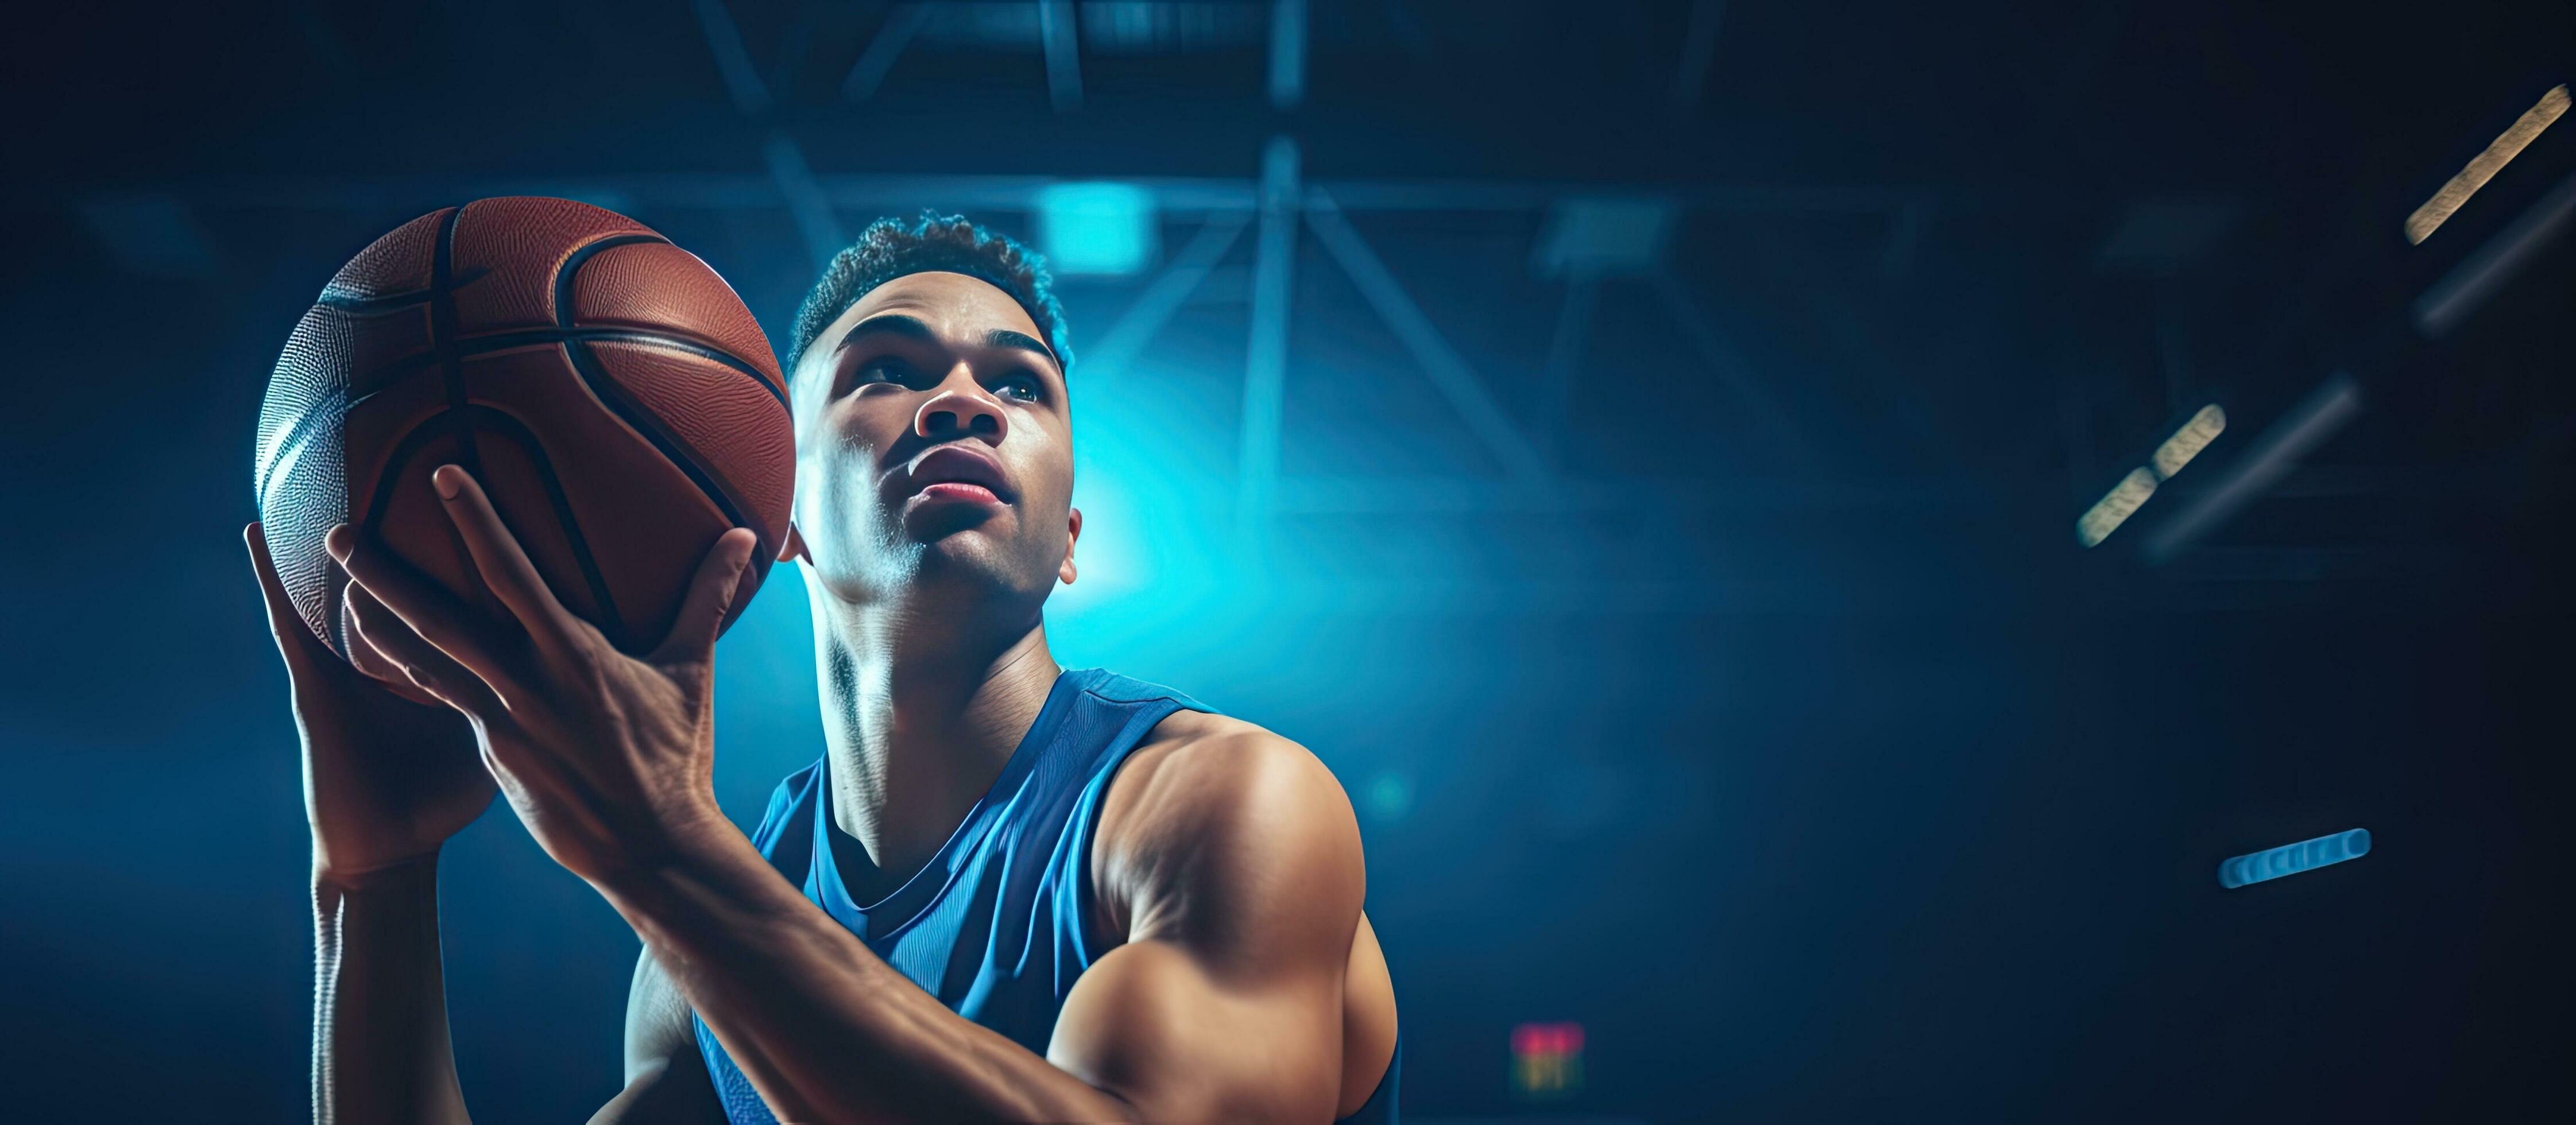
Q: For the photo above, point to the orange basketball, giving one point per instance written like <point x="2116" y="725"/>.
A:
<point x="616" y="400"/>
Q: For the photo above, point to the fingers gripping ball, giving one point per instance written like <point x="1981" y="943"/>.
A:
<point x="616" y="400"/>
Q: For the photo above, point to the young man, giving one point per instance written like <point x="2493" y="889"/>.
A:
<point x="1007" y="891"/>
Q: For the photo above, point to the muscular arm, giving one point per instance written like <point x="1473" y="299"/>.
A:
<point x="666" y="1077"/>
<point x="381" y="1051"/>
<point x="1231" y="862"/>
<point x="380" y="1043"/>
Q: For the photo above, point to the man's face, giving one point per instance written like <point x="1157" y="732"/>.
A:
<point x="933" y="446"/>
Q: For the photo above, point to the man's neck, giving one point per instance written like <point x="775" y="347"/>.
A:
<point x="919" y="717"/>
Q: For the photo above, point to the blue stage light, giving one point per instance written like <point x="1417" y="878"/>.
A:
<point x="2290" y="859"/>
<point x="1096" y="228"/>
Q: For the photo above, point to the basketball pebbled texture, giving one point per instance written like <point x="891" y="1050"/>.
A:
<point x="616" y="400"/>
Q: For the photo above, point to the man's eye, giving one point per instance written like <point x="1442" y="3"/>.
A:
<point x="1020" y="387"/>
<point x="878" y="371"/>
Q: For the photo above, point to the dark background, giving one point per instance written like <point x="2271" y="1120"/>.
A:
<point x="1787" y="739"/>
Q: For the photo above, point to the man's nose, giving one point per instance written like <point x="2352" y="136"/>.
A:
<point x="960" y="409"/>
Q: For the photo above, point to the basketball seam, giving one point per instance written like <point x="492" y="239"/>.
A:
<point x="572" y="263"/>
<point x="472" y="347"/>
<point x="451" y="364"/>
<point x="568" y="272"/>
<point x="585" y="363"/>
<point x="333" y="297"/>
<point x="586" y="366"/>
<point x="503" y="421"/>
<point x="335" y="402"/>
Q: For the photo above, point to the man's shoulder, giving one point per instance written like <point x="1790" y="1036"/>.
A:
<point x="1211" y="796"/>
<point x="1211" y="760"/>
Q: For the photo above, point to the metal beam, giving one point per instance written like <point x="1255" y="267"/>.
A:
<point x="1287" y="53"/>
<point x="1063" y="54"/>
<point x="1699" y="46"/>
<point x="1564" y="359"/>
<point x="2485" y="273"/>
<point x="2263" y="465"/>
<point x="1448" y="370"/>
<point x="816" y="222"/>
<point x="795" y="43"/>
<point x="789" y="174"/>
<point x="1729" y="365"/>
<point x="1104" y="362"/>
<point x="733" y="60"/>
<point x="883" y="49"/>
<point x="1828" y="300"/>
<point x="1265" y="364"/>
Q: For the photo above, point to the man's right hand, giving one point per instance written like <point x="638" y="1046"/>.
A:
<point x="386" y="780"/>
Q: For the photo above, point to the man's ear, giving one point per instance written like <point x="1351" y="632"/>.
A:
<point x="792" y="548"/>
<point x="1072" y="532"/>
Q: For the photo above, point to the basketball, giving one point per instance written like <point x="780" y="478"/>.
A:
<point x="616" y="400"/>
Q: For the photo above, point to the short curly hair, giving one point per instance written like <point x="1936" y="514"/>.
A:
<point x="891" y="248"/>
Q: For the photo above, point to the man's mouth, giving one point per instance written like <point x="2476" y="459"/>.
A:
<point x="959" y="490"/>
<point x="959" y="473"/>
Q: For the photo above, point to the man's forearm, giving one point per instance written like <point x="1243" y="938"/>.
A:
<point x="380" y="1042"/>
<point x="824" y="1029"/>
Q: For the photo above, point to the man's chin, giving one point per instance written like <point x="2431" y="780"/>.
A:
<point x="974" y="559"/>
<point x="959" y="549"/>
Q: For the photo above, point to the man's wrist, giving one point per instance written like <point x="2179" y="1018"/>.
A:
<point x="710" y="881"/>
<point x="686" y="842"/>
<point x="405" y="874"/>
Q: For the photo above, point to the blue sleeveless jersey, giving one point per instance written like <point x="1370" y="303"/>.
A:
<point x="993" y="924"/>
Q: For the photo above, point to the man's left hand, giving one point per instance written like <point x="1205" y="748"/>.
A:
<point x="607" y="758"/>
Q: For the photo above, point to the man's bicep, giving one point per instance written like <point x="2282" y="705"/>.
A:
<point x="666" y="1077"/>
<point x="1237" y="862"/>
<point x="1149" y="1024"/>
<point x="1240" y="849"/>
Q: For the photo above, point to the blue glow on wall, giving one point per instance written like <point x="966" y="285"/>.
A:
<point x="1096" y="228"/>
<point x="1388" y="796"/>
<point x="2290" y="859"/>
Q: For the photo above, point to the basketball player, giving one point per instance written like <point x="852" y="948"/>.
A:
<point x="1007" y="891"/>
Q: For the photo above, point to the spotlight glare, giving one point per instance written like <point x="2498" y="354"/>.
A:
<point x="2114" y="508"/>
<point x="2187" y="442"/>
<point x="2429" y="217"/>
<point x="1096" y="228"/>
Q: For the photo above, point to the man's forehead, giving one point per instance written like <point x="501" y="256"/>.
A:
<point x="953" y="304"/>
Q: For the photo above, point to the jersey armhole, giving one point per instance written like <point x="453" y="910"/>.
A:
<point x="1093" y="938"/>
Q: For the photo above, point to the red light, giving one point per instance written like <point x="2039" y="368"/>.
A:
<point x="1547" y="1039"/>
<point x="1547" y="1059"/>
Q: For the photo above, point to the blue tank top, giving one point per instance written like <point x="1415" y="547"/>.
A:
<point x="993" y="924"/>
